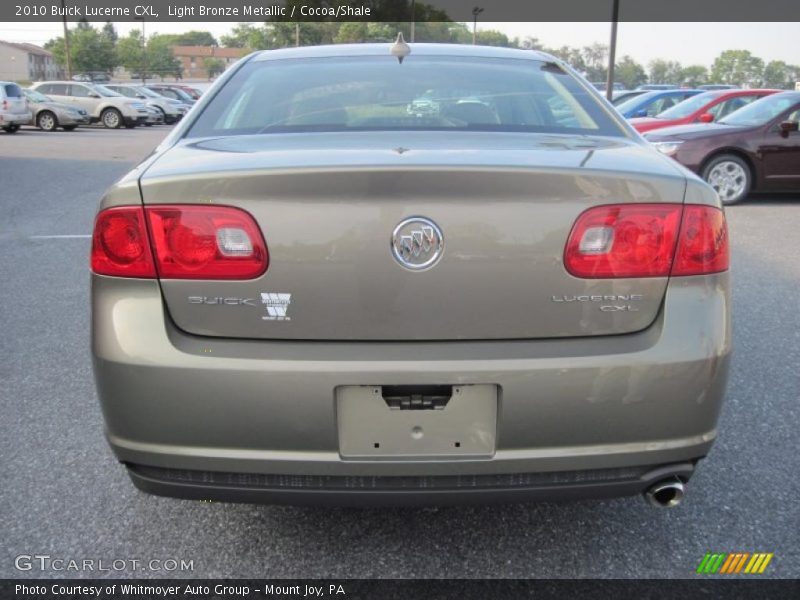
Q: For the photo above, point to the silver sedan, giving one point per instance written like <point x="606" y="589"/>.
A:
<point x="48" y="115"/>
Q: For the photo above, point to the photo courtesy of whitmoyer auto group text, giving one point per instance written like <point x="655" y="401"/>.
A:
<point x="399" y="299"/>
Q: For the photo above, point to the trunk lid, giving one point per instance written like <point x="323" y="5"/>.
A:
<point x="328" y="205"/>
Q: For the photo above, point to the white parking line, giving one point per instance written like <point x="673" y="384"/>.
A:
<point x="57" y="237"/>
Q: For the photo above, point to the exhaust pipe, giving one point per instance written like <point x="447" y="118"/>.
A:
<point x="667" y="493"/>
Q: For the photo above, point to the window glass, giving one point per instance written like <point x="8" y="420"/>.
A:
<point x="423" y="93"/>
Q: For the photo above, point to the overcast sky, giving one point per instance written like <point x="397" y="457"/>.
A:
<point x="688" y="43"/>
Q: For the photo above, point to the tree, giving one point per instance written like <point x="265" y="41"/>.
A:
<point x="665" y="71"/>
<point x="777" y="74"/>
<point x="630" y="73"/>
<point x="130" y="52"/>
<point x="160" y="59"/>
<point x="693" y="75"/>
<point x="90" y="49"/>
<point x="595" y="61"/>
<point x="248" y="35"/>
<point x="571" y="56"/>
<point x="529" y="43"/>
<point x="737" y="67"/>
<point x="213" y="66"/>
<point x="194" y="38"/>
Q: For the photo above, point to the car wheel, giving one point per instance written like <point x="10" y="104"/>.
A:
<point x="69" y="127"/>
<point x="46" y="121"/>
<point x="130" y="125"/>
<point x="730" y="177"/>
<point x="11" y="129"/>
<point x="111" y="118"/>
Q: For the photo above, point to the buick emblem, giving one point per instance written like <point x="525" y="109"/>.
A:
<point x="417" y="243"/>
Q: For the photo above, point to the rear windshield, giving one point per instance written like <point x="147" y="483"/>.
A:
<point x="422" y="93"/>
<point x="761" y="111"/>
<point x="13" y="90"/>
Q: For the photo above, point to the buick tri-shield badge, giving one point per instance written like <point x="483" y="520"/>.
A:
<point x="417" y="243"/>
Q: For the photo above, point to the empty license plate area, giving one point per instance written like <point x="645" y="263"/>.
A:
<point x="416" y="422"/>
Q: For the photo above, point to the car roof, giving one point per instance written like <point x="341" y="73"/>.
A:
<point x="383" y="50"/>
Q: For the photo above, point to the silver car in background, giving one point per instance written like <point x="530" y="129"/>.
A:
<point x="49" y="115"/>
<point x="171" y="110"/>
<point x="309" y="293"/>
<point x="14" y="110"/>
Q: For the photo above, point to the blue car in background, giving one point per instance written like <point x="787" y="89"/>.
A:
<point x="650" y="104"/>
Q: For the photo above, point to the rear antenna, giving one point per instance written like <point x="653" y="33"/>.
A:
<point x="400" y="49"/>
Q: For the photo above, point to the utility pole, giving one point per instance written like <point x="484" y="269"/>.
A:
<point x="144" y="53"/>
<point x="612" y="51"/>
<point x="413" y="20"/>
<point x="297" y="33"/>
<point x="475" y="12"/>
<point x="66" y="40"/>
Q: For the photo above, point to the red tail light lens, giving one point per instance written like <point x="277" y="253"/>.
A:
<point x="703" y="244"/>
<point x="206" y="242"/>
<point x="625" y="240"/>
<point x="119" y="244"/>
<point x="188" y="242"/>
<point x="647" y="240"/>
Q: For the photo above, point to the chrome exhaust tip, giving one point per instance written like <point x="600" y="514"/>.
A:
<point x="667" y="493"/>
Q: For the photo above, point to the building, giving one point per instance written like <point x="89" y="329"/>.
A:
<point x="193" y="58"/>
<point x="26" y="62"/>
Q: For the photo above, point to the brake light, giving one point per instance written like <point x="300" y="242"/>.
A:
<point x="206" y="242"/>
<point x="191" y="242"/>
<point x="647" y="240"/>
<point x="119" y="244"/>
<point x="703" y="246"/>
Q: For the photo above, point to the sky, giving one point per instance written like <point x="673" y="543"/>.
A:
<point x="688" y="43"/>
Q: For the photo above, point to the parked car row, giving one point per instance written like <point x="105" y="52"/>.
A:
<point x="49" y="105"/>
<point x="738" y="140"/>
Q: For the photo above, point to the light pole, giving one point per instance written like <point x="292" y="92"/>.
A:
<point x="144" y="53"/>
<point x="66" y="41"/>
<point x="612" y="50"/>
<point x="413" y="22"/>
<point x="475" y="12"/>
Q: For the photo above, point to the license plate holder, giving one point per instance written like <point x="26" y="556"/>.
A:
<point x="370" y="427"/>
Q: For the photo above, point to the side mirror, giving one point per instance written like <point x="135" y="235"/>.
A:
<point x="706" y="118"/>
<point x="788" y="127"/>
<point x="140" y="95"/>
<point x="93" y="95"/>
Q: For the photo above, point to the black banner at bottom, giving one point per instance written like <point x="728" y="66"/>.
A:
<point x="399" y="589"/>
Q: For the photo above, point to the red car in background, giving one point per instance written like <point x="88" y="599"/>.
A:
<point x="702" y="108"/>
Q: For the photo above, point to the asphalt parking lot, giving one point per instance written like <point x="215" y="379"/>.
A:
<point x="64" y="495"/>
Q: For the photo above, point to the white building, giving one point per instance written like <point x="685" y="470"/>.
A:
<point x="26" y="62"/>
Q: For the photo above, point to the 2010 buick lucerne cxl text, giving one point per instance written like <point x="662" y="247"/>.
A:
<point x="313" y="292"/>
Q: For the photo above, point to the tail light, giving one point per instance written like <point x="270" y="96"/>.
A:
<point x="187" y="241"/>
<point x="647" y="240"/>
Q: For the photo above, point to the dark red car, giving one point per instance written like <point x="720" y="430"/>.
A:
<point x="703" y="108"/>
<point x="754" y="148"/>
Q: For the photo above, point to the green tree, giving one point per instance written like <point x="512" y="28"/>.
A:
<point x="213" y="66"/>
<point x="693" y="75"/>
<point x="160" y="59"/>
<point x="248" y="35"/>
<point x="665" y="71"/>
<point x="595" y="59"/>
<point x="778" y="74"/>
<point x="194" y="38"/>
<point x="572" y="56"/>
<point x="130" y="52"/>
<point x="90" y="49"/>
<point x="630" y="73"/>
<point x="737" y="67"/>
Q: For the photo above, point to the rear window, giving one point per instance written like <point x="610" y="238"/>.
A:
<point x="424" y="92"/>
<point x="13" y="90"/>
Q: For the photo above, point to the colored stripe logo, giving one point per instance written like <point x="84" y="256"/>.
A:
<point x="734" y="562"/>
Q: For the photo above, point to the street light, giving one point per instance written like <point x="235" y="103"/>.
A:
<point x="475" y="12"/>
<point x="144" y="52"/>
<point x="66" y="41"/>
<point x="612" y="51"/>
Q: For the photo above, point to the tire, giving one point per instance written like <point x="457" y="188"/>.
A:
<point x="46" y="121"/>
<point x="11" y="129"/>
<point x="730" y="176"/>
<point x="111" y="118"/>
<point x="69" y="127"/>
<point x="130" y="125"/>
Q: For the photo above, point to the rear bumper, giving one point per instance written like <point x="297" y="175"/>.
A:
<point x="181" y="402"/>
<point x="8" y="118"/>
<point x="402" y="491"/>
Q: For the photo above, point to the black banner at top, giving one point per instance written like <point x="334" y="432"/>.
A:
<point x="399" y="10"/>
